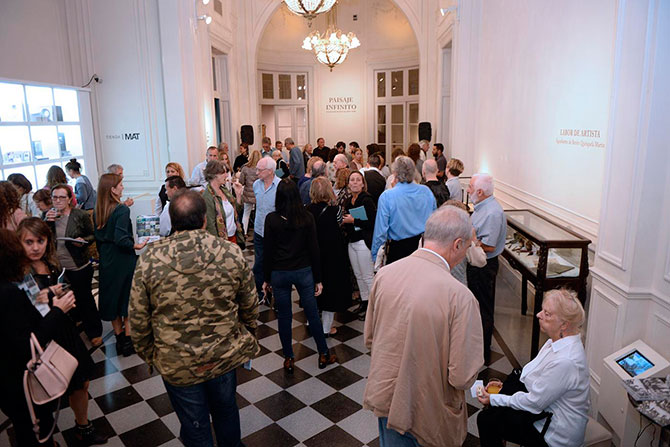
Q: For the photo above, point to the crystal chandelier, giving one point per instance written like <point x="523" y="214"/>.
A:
<point x="331" y="48"/>
<point x="309" y="9"/>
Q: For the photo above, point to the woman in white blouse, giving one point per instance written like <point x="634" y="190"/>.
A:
<point x="556" y="382"/>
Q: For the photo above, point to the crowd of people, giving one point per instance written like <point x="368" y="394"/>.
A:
<point x="337" y="225"/>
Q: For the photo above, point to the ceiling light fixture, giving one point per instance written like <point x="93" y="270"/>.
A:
<point x="332" y="47"/>
<point x="206" y="18"/>
<point x="205" y="2"/>
<point x="309" y="9"/>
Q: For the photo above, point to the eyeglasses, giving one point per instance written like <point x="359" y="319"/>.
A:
<point x="59" y="197"/>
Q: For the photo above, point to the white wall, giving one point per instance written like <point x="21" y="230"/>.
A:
<point x="385" y="35"/>
<point x="34" y="41"/>
<point x="544" y="67"/>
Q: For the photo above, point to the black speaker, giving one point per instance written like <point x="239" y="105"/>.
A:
<point x="247" y="134"/>
<point x="425" y="131"/>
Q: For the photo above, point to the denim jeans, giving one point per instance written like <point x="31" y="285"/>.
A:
<point x="391" y="438"/>
<point x="258" y="264"/>
<point x="282" y="284"/>
<point x="193" y="405"/>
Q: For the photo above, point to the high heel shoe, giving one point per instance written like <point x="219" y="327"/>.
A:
<point x="288" y="364"/>
<point x="326" y="359"/>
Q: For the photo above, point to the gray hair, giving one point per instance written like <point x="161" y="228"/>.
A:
<point x="266" y="163"/>
<point x="288" y="141"/>
<point x="341" y="157"/>
<point x="568" y="307"/>
<point x="484" y="182"/>
<point x="318" y="169"/>
<point x="430" y="166"/>
<point x="404" y="168"/>
<point x="422" y="143"/>
<point x="114" y="168"/>
<point x="447" y="224"/>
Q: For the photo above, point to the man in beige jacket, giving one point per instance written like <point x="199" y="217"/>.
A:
<point x="425" y="333"/>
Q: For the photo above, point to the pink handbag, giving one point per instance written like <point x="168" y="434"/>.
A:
<point x="46" y="378"/>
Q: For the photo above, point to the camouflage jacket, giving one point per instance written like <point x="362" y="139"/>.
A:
<point x="192" y="296"/>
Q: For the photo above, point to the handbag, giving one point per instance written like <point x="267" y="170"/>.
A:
<point x="513" y="384"/>
<point x="47" y="377"/>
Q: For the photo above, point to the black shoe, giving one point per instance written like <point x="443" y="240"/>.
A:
<point x="120" y="340"/>
<point x="288" y="364"/>
<point x="326" y="359"/>
<point x="362" y="308"/>
<point x="127" y="348"/>
<point x="87" y="435"/>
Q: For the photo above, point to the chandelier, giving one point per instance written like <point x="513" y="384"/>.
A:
<point x="331" y="48"/>
<point x="309" y="9"/>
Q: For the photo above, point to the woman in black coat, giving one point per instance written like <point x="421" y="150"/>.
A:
<point x="18" y="319"/>
<point x="359" y="235"/>
<point x="291" y="258"/>
<point x="336" y="295"/>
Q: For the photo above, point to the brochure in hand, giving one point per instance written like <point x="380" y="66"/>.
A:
<point x="148" y="228"/>
<point x="358" y="213"/>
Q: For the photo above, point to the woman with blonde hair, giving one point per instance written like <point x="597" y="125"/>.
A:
<point x="248" y="176"/>
<point x="336" y="295"/>
<point x="171" y="169"/>
<point x="116" y="245"/>
<point x="548" y="403"/>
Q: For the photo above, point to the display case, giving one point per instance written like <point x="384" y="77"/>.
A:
<point x="44" y="125"/>
<point x="546" y="254"/>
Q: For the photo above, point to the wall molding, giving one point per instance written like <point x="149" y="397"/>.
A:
<point x="583" y="225"/>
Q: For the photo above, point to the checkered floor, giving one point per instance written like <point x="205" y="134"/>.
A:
<point x="311" y="408"/>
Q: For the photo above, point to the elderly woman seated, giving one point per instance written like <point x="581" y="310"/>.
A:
<point x="548" y="404"/>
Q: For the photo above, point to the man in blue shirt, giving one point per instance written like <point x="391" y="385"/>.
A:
<point x="296" y="162"/>
<point x="265" y="190"/>
<point x="491" y="228"/>
<point x="402" y="212"/>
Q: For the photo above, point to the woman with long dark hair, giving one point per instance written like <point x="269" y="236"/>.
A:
<point x="291" y="258"/>
<point x="116" y="245"/>
<point x="71" y="223"/>
<point x="38" y="244"/>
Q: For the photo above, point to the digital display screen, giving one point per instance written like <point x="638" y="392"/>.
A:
<point x="634" y="363"/>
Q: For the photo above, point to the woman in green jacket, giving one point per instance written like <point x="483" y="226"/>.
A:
<point x="116" y="245"/>
<point x="222" y="218"/>
<point x="73" y="232"/>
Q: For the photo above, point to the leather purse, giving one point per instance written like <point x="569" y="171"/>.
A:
<point x="47" y="377"/>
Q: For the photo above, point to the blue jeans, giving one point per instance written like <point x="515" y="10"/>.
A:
<point x="282" y="284"/>
<point x="258" y="264"/>
<point x="193" y="405"/>
<point x="391" y="438"/>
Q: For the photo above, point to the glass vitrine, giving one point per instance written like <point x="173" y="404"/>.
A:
<point x="546" y="254"/>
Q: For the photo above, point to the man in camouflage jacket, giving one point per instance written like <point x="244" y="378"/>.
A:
<point x="193" y="309"/>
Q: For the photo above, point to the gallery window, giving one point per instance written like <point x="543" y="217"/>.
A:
<point x="396" y="108"/>
<point x="221" y="95"/>
<point x="41" y="126"/>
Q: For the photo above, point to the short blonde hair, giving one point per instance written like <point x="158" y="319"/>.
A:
<point x="321" y="191"/>
<point x="568" y="306"/>
<point x="455" y="167"/>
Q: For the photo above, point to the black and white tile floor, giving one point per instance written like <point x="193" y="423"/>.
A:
<point x="311" y="408"/>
